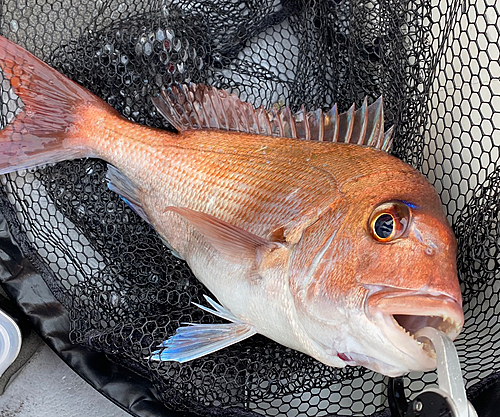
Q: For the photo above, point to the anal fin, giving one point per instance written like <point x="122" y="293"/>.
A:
<point x="197" y="340"/>
<point x="171" y="249"/>
<point x="126" y="189"/>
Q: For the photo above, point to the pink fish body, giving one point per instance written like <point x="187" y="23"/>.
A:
<point x="338" y="250"/>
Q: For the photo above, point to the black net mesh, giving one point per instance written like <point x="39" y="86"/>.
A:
<point x="437" y="66"/>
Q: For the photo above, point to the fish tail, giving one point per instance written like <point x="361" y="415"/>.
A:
<point x="43" y="114"/>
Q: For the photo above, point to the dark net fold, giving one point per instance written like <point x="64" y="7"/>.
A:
<point x="436" y="65"/>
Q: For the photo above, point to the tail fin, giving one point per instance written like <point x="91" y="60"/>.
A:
<point x="45" y="130"/>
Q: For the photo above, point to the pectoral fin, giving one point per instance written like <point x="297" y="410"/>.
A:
<point x="198" y="340"/>
<point x="230" y="241"/>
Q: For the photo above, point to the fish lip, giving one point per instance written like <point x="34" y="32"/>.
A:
<point x="408" y="311"/>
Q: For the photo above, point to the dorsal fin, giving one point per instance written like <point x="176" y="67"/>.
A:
<point x="197" y="106"/>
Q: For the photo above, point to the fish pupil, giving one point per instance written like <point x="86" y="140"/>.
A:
<point x="384" y="226"/>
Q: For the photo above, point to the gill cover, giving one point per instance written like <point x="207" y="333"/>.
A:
<point x="317" y="255"/>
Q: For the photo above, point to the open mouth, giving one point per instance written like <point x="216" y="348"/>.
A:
<point x="410" y="313"/>
<point x="411" y="324"/>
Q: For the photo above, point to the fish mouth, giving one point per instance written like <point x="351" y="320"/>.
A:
<point x="411" y="324"/>
<point x="408" y="313"/>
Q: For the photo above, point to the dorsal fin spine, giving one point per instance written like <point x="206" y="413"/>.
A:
<point x="189" y="96"/>
<point x="183" y="120"/>
<point x="206" y="110"/>
<point x="243" y="116"/>
<point x="360" y="124"/>
<point x="239" y="117"/>
<point x="345" y="125"/>
<point x="331" y="125"/>
<point x="380" y="125"/>
<point x="201" y="107"/>
<point x="219" y="108"/>
<point x="182" y="102"/>
<point x="336" y="131"/>
<point x="277" y="122"/>
<point x="387" y="143"/>
<point x="292" y="123"/>
<point x="184" y="116"/>
<point x="168" y="106"/>
<point x="247" y="125"/>
<point x="321" y="127"/>
<point x="264" y="122"/>
<point x="252" y="119"/>
<point x="213" y="120"/>
<point x="239" y="123"/>
<point x="306" y="124"/>
<point x="350" y="123"/>
<point x="200" y="114"/>
<point x="198" y="110"/>
<point x="379" y="133"/>
<point x="288" y="122"/>
<point x="230" y="113"/>
<point x="375" y="118"/>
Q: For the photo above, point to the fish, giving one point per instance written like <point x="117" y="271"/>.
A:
<point x="301" y="225"/>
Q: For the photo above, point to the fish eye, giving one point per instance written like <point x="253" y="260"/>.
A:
<point x="384" y="227"/>
<point x="389" y="221"/>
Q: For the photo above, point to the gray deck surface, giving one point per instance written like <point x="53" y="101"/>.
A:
<point x="46" y="387"/>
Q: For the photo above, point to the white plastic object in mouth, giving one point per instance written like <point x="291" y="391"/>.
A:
<point x="10" y="341"/>
<point x="450" y="381"/>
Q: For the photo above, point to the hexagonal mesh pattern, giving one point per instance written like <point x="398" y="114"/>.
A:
<point x="437" y="66"/>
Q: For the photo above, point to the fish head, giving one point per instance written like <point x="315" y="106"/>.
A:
<point x="373" y="270"/>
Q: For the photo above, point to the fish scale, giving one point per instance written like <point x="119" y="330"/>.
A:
<point x="198" y="166"/>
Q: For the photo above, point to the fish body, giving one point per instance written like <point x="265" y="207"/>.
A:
<point x="338" y="250"/>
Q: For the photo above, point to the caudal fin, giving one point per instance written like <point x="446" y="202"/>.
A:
<point x="46" y="129"/>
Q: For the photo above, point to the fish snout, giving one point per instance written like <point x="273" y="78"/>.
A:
<point x="435" y="236"/>
<point x="438" y="246"/>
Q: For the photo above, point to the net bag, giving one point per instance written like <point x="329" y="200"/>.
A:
<point x="102" y="288"/>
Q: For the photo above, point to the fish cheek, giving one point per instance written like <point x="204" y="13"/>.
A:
<point x="368" y="259"/>
<point x="321" y="275"/>
<point x="335" y="308"/>
<point x="332" y="290"/>
<point x="401" y="264"/>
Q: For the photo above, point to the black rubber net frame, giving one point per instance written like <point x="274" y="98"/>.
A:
<point x="101" y="287"/>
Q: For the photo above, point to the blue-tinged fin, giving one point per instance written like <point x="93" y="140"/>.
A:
<point x="197" y="340"/>
<point x="197" y="106"/>
<point x="126" y="189"/>
<point x="170" y="248"/>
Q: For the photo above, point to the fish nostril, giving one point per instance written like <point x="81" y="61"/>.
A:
<point x="430" y="246"/>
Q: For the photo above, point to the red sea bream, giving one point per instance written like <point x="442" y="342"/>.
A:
<point x="338" y="250"/>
